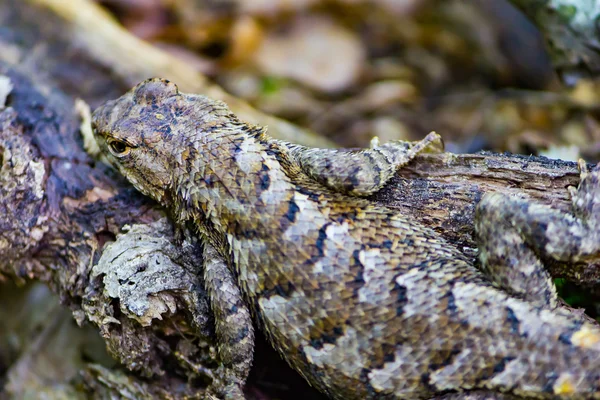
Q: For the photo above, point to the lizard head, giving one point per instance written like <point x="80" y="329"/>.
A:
<point x="146" y="133"/>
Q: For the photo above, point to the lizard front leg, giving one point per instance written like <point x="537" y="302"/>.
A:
<point x="362" y="172"/>
<point x="516" y="236"/>
<point x="233" y="327"/>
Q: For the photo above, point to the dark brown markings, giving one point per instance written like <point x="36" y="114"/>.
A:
<point x="241" y="334"/>
<point x="566" y="336"/>
<point x="192" y="154"/>
<point x="292" y="211"/>
<point x="372" y="393"/>
<point x="320" y="243"/>
<point x="354" y="180"/>
<point x="236" y="145"/>
<point x="443" y="358"/>
<point x="357" y="271"/>
<point x="399" y="291"/>
<point x="312" y="195"/>
<point x="284" y="290"/>
<point x="384" y="353"/>
<point x="495" y="366"/>
<point x="241" y="230"/>
<point x="264" y="177"/>
<point x="179" y="112"/>
<point x="451" y="308"/>
<point x="210" y="181"/>
<point x="348" y="216"/>
<point x="375" y="165"/>
<point x="289" y="216"/>
<point x="329" y="335"/>
<point x="425" y="380"/>
<point x="501" y="365"/>
<point x="513" y="321"/>
<point x="551" y="377"/>
<point x="165" y="131"/>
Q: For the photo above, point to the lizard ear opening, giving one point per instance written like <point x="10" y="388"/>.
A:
<point x="154" y="90"/>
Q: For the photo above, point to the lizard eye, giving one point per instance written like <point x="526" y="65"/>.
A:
<point x="117" y="147"/>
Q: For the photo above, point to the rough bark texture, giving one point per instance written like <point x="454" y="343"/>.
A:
<point x="59" y="208"/>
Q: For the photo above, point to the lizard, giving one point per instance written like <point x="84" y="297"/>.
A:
<point x="362" y="301"/>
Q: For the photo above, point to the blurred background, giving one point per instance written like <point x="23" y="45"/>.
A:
<point x="505" y="76"/>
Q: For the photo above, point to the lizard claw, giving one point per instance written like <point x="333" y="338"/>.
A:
<point x="432" y="143"/>
<point x="583" y="169"/>
<point x="374" y="142"/>
<point x="586" y="197"/>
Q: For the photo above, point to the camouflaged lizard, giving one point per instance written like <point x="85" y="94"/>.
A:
<point x="362" y="301"/>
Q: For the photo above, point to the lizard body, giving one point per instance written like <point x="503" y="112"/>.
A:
<point x="364" y="302"/>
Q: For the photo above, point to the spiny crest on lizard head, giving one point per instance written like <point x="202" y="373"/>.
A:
<point x="148" y="133"/>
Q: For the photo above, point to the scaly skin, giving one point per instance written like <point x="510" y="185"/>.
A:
<point x="364" y="302"/>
